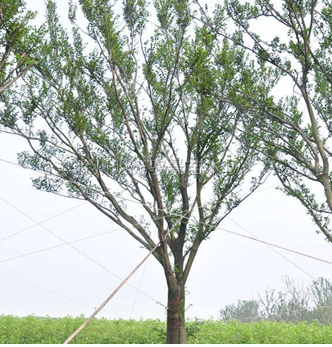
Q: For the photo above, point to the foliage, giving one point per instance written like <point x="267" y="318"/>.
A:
<point x="93" y="136"/>
<point x="290" y="304"/>
<point x="243" y="310"/>
<point x="47" y="330"/>
<point x="18" y="39"/>
<point x="123" y="110"/>
<point x="33" y="329"/>
<point x="295" y="128"/>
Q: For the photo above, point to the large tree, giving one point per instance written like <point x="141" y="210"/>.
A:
<point x="122" y="110"/>
<point x="17" y="41"/>
<point x="292" y="42"/>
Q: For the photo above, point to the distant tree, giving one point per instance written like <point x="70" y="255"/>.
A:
<point x="321" y="292"/>
<point x="296" y="130"/>
<point x="17" y="40"/>
<point x="126" y="114"/>
<point x="244" y="311"/>
<point x="290" y="304"/>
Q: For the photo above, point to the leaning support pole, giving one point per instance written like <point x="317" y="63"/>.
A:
<point x="110" y="297"/>
<point x="117" y="289"/>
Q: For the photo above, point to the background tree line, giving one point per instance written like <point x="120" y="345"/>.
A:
<point x="292" y="303"/>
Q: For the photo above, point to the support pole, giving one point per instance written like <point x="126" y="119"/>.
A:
<point x="70" y="338"/>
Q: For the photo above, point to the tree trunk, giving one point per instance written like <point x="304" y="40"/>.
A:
<point x="176" y="329"/>
<point x="182" y="317"/>
<point x="173" y="314"/>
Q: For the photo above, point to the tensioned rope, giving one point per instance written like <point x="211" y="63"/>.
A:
<point x="228" y="231"/>
<point x="277" y="246"/>
<point x="290" y="261"/>
<point x="84" y="254"/>
<point x="53" y="292"/>
<point x="70" y="338"/>
<point x="57" y="246"/>
<point x="275" y="251"/>
<point x="111" y="231"/>
<point x="267" y="243"/>
<point x="91" y="306"/>
<point x="44" y="221"/>
<point x="139" y="287"/>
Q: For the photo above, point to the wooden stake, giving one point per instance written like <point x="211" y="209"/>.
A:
<point x="109" y="298"/>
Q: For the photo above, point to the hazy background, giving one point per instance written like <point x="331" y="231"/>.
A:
<point x="227" y="267"/>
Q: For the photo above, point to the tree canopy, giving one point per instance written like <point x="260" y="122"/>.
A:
<point x="294" y="129"/>
<point x="157" y="113"/>
<point x="17" y="40"/>
<point x="122" y="113"/>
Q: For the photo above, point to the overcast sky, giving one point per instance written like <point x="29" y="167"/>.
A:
<point x="227" y="268"/>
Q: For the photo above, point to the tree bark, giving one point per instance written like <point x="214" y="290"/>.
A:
<point x="182" y="316"/>
<point x="176" y="329"/>
<point x="173" y="314"/>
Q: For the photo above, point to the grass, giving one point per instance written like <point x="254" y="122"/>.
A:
<point x="35" y="330"/>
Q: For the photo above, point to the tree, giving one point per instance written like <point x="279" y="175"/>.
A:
<point x="296" y="129"/>
<point x="127" y="114"/>
<point x="244" y="310"/>
<point x="290" y="304"/>
<point x="17" y="40"/>
<point x="321" y="291"/>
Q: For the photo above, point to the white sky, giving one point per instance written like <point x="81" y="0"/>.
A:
<point x="226" y="269"/>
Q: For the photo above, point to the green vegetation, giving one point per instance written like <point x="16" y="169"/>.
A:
<point x="33" y="329"/>
<point x="292" y="303"/>
<point x="122" y="110"/>
<point x="171" y="105"/>
<point x="18" y="41"/>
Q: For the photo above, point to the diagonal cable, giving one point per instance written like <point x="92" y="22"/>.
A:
<point x="110" y="297"/>
<point x="84" y="254"/>
<point x="276" y="246"/>
<point x="57" y="246"/>
<point x="256" y="239"/>
<point x="36" y="223"/>
<point x="51" y="292"/>
<point x="274" y="250"/>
